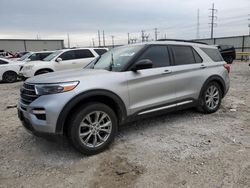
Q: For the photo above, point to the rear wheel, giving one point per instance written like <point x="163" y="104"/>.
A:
<point x="10" y="77"/>
<point x="211" y="98"/>
<point x="92" y="128"/>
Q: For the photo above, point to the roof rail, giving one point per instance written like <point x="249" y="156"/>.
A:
<point x="180" y="40"/>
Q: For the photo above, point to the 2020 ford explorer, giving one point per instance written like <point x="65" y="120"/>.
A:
<point x="128" y="82"/>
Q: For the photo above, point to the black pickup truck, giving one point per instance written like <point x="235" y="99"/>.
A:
<point x="228" y="53"/>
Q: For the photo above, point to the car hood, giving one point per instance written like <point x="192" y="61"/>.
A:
<point x="66" y="76"/>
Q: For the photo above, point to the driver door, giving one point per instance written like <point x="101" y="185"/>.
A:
<point x="153" y="88"/>
<point x="68" y="61"/>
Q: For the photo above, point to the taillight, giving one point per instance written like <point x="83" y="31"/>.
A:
<point x="226" y="66"/>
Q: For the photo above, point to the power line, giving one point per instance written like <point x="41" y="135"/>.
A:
<point x="213" y="17"/>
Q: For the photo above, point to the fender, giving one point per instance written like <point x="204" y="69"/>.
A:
<point x="80" y="97"/>
<point x="214" y="78"/>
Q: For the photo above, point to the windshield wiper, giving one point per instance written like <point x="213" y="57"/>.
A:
<point x="111" y="62"/>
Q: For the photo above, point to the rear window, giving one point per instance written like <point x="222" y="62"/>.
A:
<point x="43" y="55"/>
<point x="183" y="55"/>
<point x="83" y="54"/>
<point x="100" y="51"/>
<point x="214" y="54"/>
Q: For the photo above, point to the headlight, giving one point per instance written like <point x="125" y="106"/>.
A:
<point x="47" y="89"/>
<point x="28" y="67"/>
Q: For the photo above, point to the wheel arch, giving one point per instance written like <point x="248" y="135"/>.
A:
<point x="104" y="96"/>
<point x="44" y="69"/>
<point x="214" y="78"/>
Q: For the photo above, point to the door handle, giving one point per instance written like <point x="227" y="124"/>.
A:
<point x="203" y="66"/>
<point x="167" y="72"/>
<point x="73" y="62"/>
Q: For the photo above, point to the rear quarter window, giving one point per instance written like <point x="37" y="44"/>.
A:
<point x="100" y="51"/>
<point x="213" y="53"/>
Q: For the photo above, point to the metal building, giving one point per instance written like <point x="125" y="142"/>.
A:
<point x="20" y="45"/>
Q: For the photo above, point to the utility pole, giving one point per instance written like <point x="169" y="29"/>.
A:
<point x="142" y="36"/>
<point x="156" y="34"/>
<point x="99" y="38"/>
<point x="249" y="24"/>
<point x="93" y="42"/>
<point x="198" y="25"/>
<point x="113" y="43"/>
<point x="128" y="39"/>
<point x="68" y="40"/>
<point x="213" y="17"/>
<point x="103" y="36"/>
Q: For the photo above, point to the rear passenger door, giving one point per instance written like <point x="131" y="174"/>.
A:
<point x="189" y="71"/>
<point x="83" y="58"/>
<point x="154" y="88"/>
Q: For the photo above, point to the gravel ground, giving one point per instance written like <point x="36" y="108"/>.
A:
<point x="182" y="149"/>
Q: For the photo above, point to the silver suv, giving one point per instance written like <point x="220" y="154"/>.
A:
<point x="129" y="82"/>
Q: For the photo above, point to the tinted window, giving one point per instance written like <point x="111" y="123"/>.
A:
<point x="158" y="55"/>
<point x="183" y="55"/>
<point x="197" y="57"/>
<point x="43" y="55"/>
<point x="3" y="62"/>
<point x="83" y="54"/>
<point x="68" y="55"/>
<point x="34" y="57"/>
<point x="100" y="51"/>
<point x="214" y="54"/>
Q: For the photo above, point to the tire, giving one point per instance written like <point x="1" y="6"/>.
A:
<point x="210" y="104"/>
<point x="97" y="136"/>
<point x="10" y="77"/>
<point x="42" y="72"/>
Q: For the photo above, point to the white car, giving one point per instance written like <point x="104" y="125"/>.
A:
<point x="61" y="60"/>
<point x="9" y="70"/>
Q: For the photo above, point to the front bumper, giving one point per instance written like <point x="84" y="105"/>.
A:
<point x="27" y="125"/>
<point x="45" y="122"/>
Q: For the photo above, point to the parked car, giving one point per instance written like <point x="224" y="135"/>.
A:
<point x="228" y="53"/>
<point x="35" y="56"/>
<point x="9" y="70"/>
<point x="126" y="83"/>
<point x="61" y="60"/>
<point x="7" y="55"/>
<point x="20" y="54"/>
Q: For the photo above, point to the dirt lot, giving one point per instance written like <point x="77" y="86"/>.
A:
<point x="183" y="149"/>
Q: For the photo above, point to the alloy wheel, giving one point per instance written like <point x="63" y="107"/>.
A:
<point x="95" y="129"/>
<point x="212" y="97"/>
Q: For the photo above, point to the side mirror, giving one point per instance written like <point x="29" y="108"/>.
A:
<point x="142" y="64"/>
<point x="58" y="60"/>
<point x="28" y="60"/>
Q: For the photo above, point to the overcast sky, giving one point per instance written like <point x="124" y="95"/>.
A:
<point x="53" y="19"/>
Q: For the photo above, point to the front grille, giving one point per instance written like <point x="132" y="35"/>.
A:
<point x="28" y="94"/>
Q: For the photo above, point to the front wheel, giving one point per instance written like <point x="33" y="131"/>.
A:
<point x="211" y="98"/>
<point x="92" y="128"/>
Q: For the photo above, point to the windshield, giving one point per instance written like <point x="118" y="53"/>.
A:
<point x="116" y="59"/>
<point x="25" y="57"/>
<point x="52" y="56"/>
